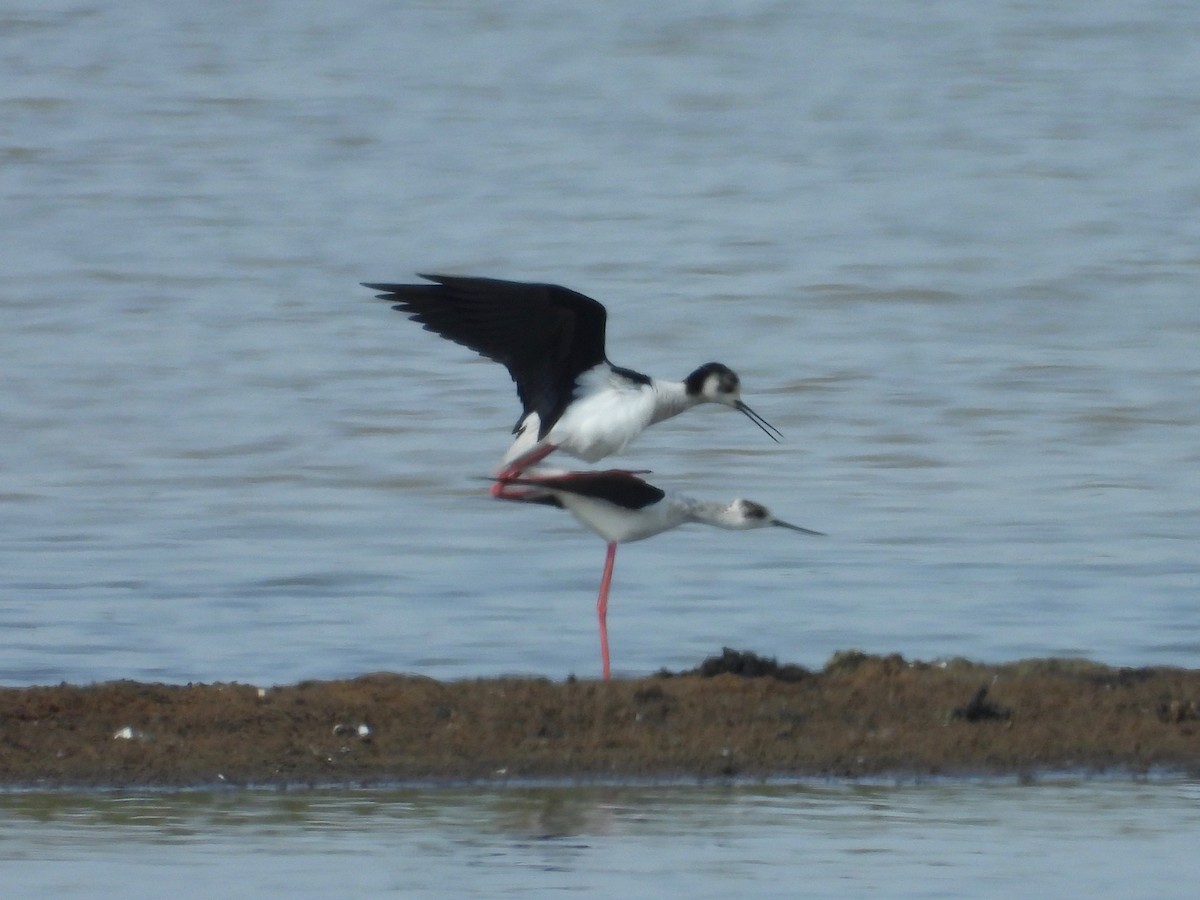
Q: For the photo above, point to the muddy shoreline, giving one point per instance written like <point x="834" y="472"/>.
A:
<point x="736" y="715"/>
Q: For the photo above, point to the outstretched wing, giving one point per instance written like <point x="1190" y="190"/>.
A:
<point x="545" y="335"/>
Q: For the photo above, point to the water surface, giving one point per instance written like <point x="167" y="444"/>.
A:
<point x="950" y="248"/>
<point x="1094" y="838"/>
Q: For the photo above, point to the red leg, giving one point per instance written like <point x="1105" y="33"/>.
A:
<point x="502" y="490"/>
<point x="602" y="605"/>
<point x="521" y="463"/>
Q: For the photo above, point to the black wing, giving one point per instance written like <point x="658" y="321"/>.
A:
<point x="617" y="486"/>
<point x="545" y="335"/>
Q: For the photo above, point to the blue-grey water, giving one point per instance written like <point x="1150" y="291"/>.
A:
<point x="951" y="248"/>
<point x="1061" y="839"/>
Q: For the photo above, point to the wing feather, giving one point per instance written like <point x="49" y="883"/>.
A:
<point x="544" y="334"/>
<point x="617" y="486"/>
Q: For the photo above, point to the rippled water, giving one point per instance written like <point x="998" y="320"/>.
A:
<point x="1064" y="838"/>
<point x="950" y="248"/>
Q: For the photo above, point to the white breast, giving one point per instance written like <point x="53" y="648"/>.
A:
<point x="609" y="413"/>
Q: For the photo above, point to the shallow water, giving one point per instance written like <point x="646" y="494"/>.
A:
<point x="951" y="249"/>
<point x="1062" y="837"/>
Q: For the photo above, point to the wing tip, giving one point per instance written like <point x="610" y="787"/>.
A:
<point x="394" y="287"/>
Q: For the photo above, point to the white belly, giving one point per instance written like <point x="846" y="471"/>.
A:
<point x="615" y="523"/>
<point x="604" y="422"/>
<point x="610" y="414"/>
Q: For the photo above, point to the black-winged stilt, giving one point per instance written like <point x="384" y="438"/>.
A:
<point x="621" y="507"/>
<point x="551" y="340"/>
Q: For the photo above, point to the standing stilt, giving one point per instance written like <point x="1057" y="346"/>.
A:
<point x="602" y="604"/>
<point x="621" y="507"/>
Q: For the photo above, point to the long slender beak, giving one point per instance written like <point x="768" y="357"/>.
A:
<point x="798" y="528"/>
<point x="768" y="429"/>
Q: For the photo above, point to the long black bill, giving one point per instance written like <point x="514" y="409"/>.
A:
<point x="798" y="528"/>
<point x="768" y="429"/>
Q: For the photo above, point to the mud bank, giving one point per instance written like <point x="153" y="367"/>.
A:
<point x="735" y="715"/>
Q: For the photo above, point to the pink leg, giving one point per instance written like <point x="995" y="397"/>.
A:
<point x="521" y="463"/>
<point x="602" y="605"/>
<point x="502" y="490"/>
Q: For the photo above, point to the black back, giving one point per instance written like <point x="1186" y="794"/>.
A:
<point x="617" y="486"/>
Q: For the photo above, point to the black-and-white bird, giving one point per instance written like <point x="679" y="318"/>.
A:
<point x="551" y="340"/>
<point x="621" y="507"/>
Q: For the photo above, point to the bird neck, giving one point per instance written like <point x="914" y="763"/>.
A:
<point x="670" y="399"/>
<point x="706" y="512"/>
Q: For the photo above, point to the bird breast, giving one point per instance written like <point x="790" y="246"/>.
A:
<point x="608" y="413"/>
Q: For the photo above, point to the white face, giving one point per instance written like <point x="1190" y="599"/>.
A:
<point x="722" y="387"/>
<point x="753" y="514"/>
<point x="715" y="383"/>
<point x="742" y="515"/>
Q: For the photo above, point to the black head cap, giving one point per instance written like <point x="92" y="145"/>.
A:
<point x="724" y="380"/>
<point x="752" y="510"/>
